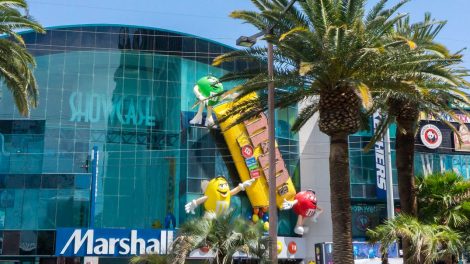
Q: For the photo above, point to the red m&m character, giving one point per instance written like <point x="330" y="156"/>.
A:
<point x="305" y="206"/>
<point x="306" y="203"/>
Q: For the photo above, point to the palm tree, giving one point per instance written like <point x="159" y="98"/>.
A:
<point x="436" y="90"/>
<point x="334" y="58"/>
<point x="443" y="210"/>
<point x="16" y="62"/>
<point x="429" y="242"/>
<point x="223" y="235"/>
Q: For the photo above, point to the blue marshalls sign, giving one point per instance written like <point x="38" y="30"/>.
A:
<point x="111" y="242"/>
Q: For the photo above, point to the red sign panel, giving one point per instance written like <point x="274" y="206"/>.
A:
<point x="254" y="174"/>
<point x="247" y="151"/>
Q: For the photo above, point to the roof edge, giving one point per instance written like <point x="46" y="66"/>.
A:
<point x="132" y="26"/>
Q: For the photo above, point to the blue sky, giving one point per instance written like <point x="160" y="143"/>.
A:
<point x="209" y="18"/>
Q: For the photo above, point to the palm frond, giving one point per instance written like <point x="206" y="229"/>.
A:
<point x="305" y="114"/>
<point x="376" y="10"/>
<point x="16" y="63"/>
<point x="224" y="235"/>
<point x="430" y="242"/>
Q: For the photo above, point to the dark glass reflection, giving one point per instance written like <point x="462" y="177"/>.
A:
<point x="11" y="242"/>
<point x="46" y="241"/>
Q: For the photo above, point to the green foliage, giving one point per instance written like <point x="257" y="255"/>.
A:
<point x="16" y="62"/>
<point x="443" y="226"/>
<point x="466" y="208"/>
<point x="443" y="198"/>
<point x="150" y="259"/>
<point x="224" y="235"/>
<point x="429" y="242"/>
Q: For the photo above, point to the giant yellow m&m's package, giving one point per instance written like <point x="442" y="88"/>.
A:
<point x="248" y="145"/>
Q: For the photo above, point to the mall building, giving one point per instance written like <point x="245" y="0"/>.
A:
<point x="127" y="93"/>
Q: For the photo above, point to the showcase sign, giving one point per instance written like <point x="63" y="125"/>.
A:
<point x="124" y="109"/>
<point x="111" y="242"/>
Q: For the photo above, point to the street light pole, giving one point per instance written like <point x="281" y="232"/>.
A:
<point x="249" y="42"/>
<point x="272" y="159"/>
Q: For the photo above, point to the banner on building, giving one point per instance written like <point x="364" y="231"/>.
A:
<point x="459" y="118"/>
<point x="464" y="144"/>
<point x="379" y="147"/>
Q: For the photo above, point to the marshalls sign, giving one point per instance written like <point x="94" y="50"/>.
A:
<point x="111" y="242"/>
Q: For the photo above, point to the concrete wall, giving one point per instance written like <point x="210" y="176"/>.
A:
<point x="314" y="153"/>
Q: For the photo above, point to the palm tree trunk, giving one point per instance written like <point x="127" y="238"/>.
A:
<point x="405" y="147"/>
<point x="405" y="142"/>
<point x="384" y="258"/>
<point x="448" y="259"/>
<point x="407" y="116"/>
<point x="340" y="199"/>
<point x="220" y="258"/>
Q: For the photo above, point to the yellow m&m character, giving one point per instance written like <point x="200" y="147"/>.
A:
<point x="217" y="196"/>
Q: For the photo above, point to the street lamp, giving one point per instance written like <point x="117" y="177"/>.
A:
<point x="249" y="42"/>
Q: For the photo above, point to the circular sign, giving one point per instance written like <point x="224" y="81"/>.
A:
<point x="362" y="222"/>
<point x="292" y="247"/>
<point x="431" y="136"/>
<point x="247" y="151"/>
<point x="279" y="247"/>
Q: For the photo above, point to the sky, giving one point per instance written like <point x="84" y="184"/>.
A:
<point x="209" y="18"/>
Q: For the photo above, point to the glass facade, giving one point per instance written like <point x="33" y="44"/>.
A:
<point x="426" y="163"/>
<point x="449" y="155"/>
<point x="128" y="91"/>
<point x="367" y="209"/>
<point x="362" y="165"/>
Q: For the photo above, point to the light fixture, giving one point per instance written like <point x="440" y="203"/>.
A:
<point x="246" y="42"/>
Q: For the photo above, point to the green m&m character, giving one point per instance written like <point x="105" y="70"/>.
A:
<point x="205" y="90"/>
